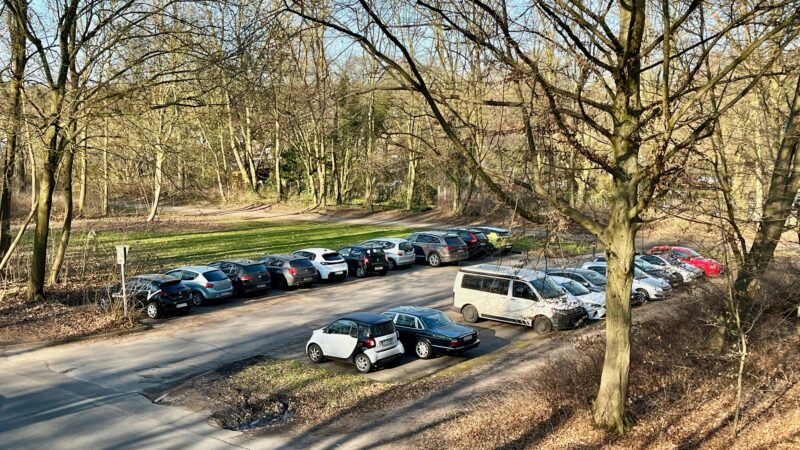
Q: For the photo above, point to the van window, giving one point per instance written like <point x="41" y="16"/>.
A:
<point x="496" y="285"/>
<point x="471" y="282"/>
<point x="522" y="290"/>
<point x="547" y="288"/>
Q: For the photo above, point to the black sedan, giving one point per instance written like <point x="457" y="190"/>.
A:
<point x="429" y="331"/>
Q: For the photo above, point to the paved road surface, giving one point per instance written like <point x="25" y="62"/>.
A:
<point x="90" y="395"/>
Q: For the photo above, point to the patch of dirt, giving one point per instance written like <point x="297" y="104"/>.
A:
<point x="23" y="322"/>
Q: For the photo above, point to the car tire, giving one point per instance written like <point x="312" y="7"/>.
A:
<point x="197" y="299"/>
<point x="319" y="277"/>
<point x="152" y="310"/>
<point x="542" y="325"/>
<point x="105" y="304"/>
<point x="383" y="272"/>
<point x="392" y="264"/>
<point x="315" y="354"/>
<point x="644" y="294"/>
<point x="434" y="260"/>
<point x="362" y="362"/>
<point x="361" y="272"/>
<point x="423" y="349"/>
<point x="470" y="313"/>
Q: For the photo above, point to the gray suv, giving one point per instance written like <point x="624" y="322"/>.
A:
<point x="438" y="247"/>
<point x="289" y="271"/>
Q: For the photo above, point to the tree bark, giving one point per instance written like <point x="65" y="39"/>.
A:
<point x="16" y="29"/>
<point x="158" y="177"/>
<point x="44" y="206"/>
<point x="277" y="158"/>
<point x="104" y="199"/>
<point x="84" y="180"/>
<point x="66" y="226"/>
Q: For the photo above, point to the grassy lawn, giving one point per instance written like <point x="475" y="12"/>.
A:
<point x="156" y="250"/>
<point x="555" y="248"/>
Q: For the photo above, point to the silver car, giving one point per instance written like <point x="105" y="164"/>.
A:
<point x="205" y="282"/>
<point x="288" y="271"/>
<point x="399" y="252"/>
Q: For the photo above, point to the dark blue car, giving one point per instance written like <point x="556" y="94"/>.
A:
<point x="429" y="331"/>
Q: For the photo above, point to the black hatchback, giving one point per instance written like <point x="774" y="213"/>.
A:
<point x="362" y="260"/>
<point x="429" y="331"/>
<point x="245" y="275"/>
<point x="156" y="294"/>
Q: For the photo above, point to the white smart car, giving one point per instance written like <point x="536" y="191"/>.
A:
<point x="365" y="339"/>
<point x="329" y="263"/>
<point x="594" y="303"/>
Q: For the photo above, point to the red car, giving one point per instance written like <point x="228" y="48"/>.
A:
<point x="711" y="267"/>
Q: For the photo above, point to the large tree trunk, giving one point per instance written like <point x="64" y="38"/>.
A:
<point x="240" y="164"/>
<point x="277" y="157"/>
<point x="66" y="227"/>
<point x="777" y="208"/>
<point x="44" y="206"/>
<point x="82" y="189"/>
<point x="104" y="199"/>
<point x="15" y="84"/>
<point x="411" y="182"/>
<point x="158" y="179"/>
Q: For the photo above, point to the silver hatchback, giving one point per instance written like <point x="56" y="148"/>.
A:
<point x="399" y="252"/>
<point x="205" y="282"/>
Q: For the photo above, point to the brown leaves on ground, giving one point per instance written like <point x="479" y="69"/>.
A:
<point x="24" y="322"/>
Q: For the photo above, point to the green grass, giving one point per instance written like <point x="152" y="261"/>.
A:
<point x="568" y="247"/>
<point x="154" y="250"/>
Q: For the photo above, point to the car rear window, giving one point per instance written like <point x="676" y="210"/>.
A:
<point x="406" y="246"/>
<point x="215" y="275"/>
<point x="382" y="329"/>
<point x="300" y="263"/>
<point x="332" y="256"/>
<point x="375" y="251"/>
<point x="453" y="240"/>
<point x="254" y="268"/>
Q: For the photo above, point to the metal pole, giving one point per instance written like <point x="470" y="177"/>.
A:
<point x="124" y="294"/>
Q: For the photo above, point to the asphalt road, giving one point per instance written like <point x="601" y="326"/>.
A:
<point x="91" y="394"/>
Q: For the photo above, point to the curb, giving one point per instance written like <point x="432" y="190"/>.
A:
<point x="27" y="347"/>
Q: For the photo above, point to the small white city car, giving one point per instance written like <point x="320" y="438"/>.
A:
<point x="521" y="296"/>
<point x="365" y="339"/>
<point x="594" y="303"/>
<point x="650" y="288"/>
<point x="329" y="263"/>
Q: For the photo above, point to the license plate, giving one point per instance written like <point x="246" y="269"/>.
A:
<point x="386" y="343"/>
<point x="261" y="286"/>
<point x="378" y="267"/>
<point x="225" y="294"/>
<point x="468" y="338"/>
<point x="181" y="305"/>
<point x="339" y="273"/>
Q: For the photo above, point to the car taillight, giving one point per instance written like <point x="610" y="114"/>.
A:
<point x="370" y="342"/>
<point x="386" y="258"/>
<point x="246" y="277"/>
<point x="293" y="271"/>
<point x="209" y="285"/>
<point x="449" y="248"/>
<point x="473" y="238"/>
<point x="454" y="342"/>
<point x="400" y="253"/>
<point x="366" y="260"/>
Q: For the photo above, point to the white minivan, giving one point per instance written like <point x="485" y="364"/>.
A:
<point x="521" y="296"/>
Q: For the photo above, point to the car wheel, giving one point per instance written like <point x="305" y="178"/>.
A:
<point x="542" y="325"/>
<point x="645" y="296"/>
<point x="383" y="272"/>
<point x="105" y="303"/>
<point x="197" y="298"/>
<point x="363" y="364"/>
<point x="319" y="276"/>
<point x="315" y="354"/>
<point x="392" y="264"/>
<point x="361" y="272"/>
<point x="470" y="313"/>
<point x="423" y="349"/>
<point x="152" y="310"/>
<point x="434" y="260"/>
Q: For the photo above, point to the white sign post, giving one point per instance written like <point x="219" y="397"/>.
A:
<point x="122" y="258"/>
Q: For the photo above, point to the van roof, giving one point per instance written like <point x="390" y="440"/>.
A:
<point x="503" y="271"/>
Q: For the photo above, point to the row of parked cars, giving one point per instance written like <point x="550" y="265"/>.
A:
<point x="178" y="289"/>
<point x="556" y="298"/>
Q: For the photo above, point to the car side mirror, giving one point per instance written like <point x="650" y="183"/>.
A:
<point x="325" y="330"/>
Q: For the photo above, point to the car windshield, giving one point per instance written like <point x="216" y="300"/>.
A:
<point x="575" y="288"/>
<point x="300" y="263"/>
<point x="644" y="265"/>
<point x="547" y="288"/>
<point x="331" y="256"/>
<point x="406" y="246"/>
<point x="638" y="274"/>
<point x="215" y="275"/>
<point x="254" y="268"/>
<point x="691" y="252"/>
<point x="436" y="320"/>
<point x="453" y="240"/>
<point x="382" y="329"/>
<point x="595" y="278"/>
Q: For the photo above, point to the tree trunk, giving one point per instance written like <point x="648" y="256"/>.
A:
<point x="44" y="206"/>
<point x="157" y="182"/>
<point x="609" y="406"/>
<point x="235" y="146"/>
<point x="277" y="157"/>
<point x="84" y="180"/>
<point x="777" y="208"/>
<point x="411" y="182"/>
<point x="66" y="228"/>
<point x="15" y="84"/>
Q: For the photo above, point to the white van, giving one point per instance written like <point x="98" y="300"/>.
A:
<point x="521" y="296"/>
